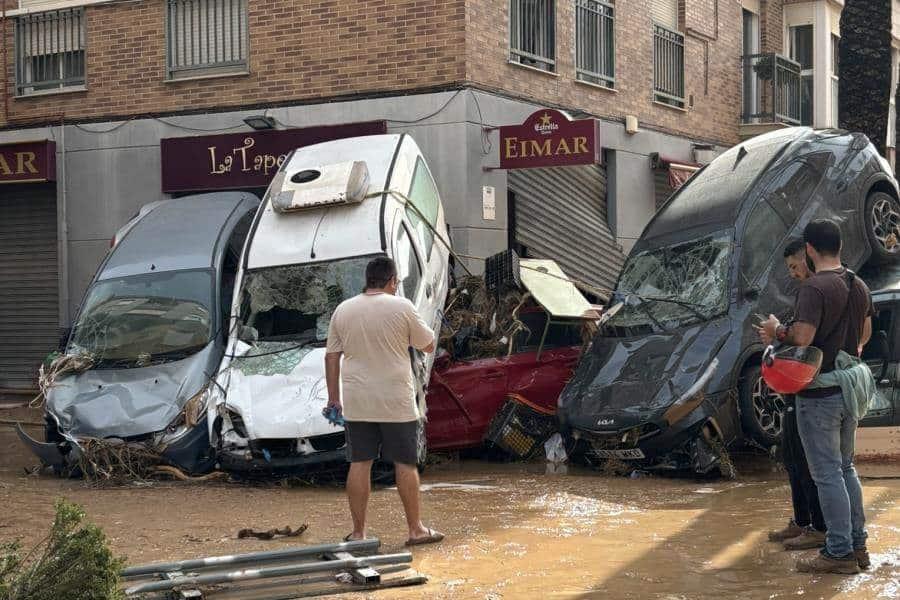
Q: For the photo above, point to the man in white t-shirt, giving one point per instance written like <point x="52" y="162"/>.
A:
<point x="373" y="332"/>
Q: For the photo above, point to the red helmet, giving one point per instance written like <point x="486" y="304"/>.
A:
<point x="790" y="368"/>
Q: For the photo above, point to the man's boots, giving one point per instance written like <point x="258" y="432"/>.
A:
<point x="809" y="539"/>
<point x="791" y="531"/>
<point x="822" y="563"/>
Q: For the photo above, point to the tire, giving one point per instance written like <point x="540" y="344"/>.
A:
<point x="762" y="410"/>
<point x="882" y="225"/>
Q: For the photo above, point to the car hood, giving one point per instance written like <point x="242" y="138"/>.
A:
<point x="279" y="395"/>
<point x="126" y="403"/>
<point x="623" y="382"/>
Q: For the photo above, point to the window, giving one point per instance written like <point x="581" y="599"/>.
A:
<point x="206" y="37"/>
<point x="801" y="51"/>
<point x="668" y="66"/>
<point x="763" y="232"/>
<point x="835" y="78"/>
<point x="424" y="196"/>
<point x="559" y="334"/>
<point x="594" y="42"/>
<point x="410" y="272"/>
<point x="795" y="185"/>
<point x="532" y="33"/>
<point x="49" y="51"/>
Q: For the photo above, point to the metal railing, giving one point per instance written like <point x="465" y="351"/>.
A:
<point x="668" y="66"/>
<point x="595" y="42"/>
<point x="532" y="33"/>
<point x="772" y="89"/>
<point x="49" y="50"/>
<point x="206" y="36"/>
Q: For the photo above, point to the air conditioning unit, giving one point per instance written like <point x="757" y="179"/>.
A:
<point x="325" y="185"/>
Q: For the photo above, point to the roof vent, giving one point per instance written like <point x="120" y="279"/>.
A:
<point x="326" y="185"/>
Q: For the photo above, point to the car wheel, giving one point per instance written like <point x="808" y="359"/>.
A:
<point x="762" y="410"/>
<point x="883" y="226"/>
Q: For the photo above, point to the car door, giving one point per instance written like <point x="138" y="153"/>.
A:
<point x="882" y="354"/>
<point x="463" y="397"/>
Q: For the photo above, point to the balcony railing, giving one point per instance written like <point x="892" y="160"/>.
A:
<point x="772" y="89"/>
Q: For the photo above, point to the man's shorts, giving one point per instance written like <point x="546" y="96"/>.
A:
<point x="393" y="442"/>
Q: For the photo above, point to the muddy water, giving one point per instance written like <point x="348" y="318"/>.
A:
<point x="512" y="531"/>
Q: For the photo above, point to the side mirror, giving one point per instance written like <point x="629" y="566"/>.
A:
<point x="248" y="334"/>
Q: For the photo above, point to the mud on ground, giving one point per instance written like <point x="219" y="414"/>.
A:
<point x="512" y="531"/>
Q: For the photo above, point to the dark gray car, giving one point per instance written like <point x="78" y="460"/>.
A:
<point x="673" y="378"/>
<point x="152" y="322"/>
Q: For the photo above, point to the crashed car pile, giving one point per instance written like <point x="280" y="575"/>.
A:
<point x="207" y="350"/>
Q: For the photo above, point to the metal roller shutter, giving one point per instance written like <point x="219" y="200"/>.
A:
<point x="560" y="213"/>
<point x="29" y="286"/>
<point x="665" y="12"/>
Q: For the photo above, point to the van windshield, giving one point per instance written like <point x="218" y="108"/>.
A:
<point x="674" y="285"/>
<point x="145" y="319"/>
<point x="294" y="301"/>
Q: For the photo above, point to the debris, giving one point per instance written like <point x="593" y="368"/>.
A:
<point x="117" y="462"/>
<point x="520" y="428"/>
<point x="182" y="476"/>
<point x="47" y="573"/>
<point x="271" y="533"/>
<point x="60" y="365"/>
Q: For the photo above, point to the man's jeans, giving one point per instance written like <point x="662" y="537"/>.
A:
<point x="828" y="434"/>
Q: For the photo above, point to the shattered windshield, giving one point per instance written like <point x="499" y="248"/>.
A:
<point x="675" y="285"/>
<point x="145" y="319"/>
<point x="284" y="303"/>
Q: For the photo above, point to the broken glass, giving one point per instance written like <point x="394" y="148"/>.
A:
<point x="675" y="285"/>
<point x="284" y="303"/>
<point x="271" y="358"/>
<point x="159" y="317"/>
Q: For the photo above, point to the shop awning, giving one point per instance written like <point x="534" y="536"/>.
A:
<point x="679" y="173"/>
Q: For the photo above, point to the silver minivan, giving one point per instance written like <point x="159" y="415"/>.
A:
<point x="152" y="327"/>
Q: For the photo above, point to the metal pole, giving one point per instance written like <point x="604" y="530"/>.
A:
<point x="283" y="571"/>
<point x="236" y="559"/>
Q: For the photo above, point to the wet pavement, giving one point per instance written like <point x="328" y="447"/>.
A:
<point x="512" y="530"/>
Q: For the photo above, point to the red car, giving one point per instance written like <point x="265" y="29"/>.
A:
<point x="465" y="395"/>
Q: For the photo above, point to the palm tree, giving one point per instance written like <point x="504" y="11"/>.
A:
<point x="865" y="68"/>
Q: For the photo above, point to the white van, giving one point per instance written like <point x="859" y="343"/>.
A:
<point x="331" y="208"/>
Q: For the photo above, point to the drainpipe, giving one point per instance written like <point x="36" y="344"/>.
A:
<point x="62" y="229"/>
<point x="5" y="68"/>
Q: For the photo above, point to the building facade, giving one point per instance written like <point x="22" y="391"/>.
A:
<point x="101" y="88"/>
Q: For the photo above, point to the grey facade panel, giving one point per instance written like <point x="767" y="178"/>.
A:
<point x="29" y="287"/>
<point x="561" y="213"/>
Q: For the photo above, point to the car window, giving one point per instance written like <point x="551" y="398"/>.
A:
<point x="232" y="260"/>
<point x="795" y="184"/>
<point x="424" y="195"/>
<point x="763" y="232"/>
<point x="410" y="271"/>
<point x="876" y="355"/>
<point x="559" y="335"/>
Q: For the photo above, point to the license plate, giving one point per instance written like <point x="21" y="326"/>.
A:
<point x="627" y="454"/>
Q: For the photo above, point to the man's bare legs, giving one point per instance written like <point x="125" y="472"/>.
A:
<point x="408" y="486"/>
<point x="359" y="484"/>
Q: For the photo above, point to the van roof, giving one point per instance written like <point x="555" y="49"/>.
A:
<point x="177" y="234"/>
<point x="714" y="196"/>
<point x="328" y="232"/>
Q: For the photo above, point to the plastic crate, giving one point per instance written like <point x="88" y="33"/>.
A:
<point x="520" y="430"/>
<point x="501" y="272"/>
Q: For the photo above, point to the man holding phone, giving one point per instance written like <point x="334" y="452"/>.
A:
<point x="373" y="390"/>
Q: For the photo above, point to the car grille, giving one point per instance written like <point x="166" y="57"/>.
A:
<point x="325" y="443"/>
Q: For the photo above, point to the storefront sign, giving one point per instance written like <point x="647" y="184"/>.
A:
<point x="243" y="160"/>
<point x="28" y="162"/>
<point x="548" y="138"/>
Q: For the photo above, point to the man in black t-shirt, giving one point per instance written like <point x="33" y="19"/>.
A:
<point x="833" y="313"/>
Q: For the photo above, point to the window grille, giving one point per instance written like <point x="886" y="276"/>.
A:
<point x="206" y="37"/>
<point x="532" y="33"/>
<point x="594" y="42"/>
<point x="49" y="51"/>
